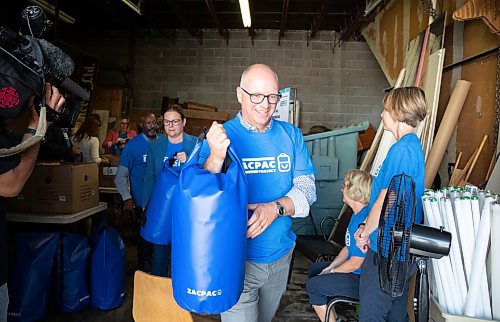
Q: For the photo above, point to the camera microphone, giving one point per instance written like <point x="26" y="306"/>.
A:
<point x="60" y="66"/>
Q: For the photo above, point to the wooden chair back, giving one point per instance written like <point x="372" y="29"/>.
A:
<point x="154" y="300"/>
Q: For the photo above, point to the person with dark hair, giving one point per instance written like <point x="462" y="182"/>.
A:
<point x="86" y="140"/>
<point x="57" y="146"/>
<point x="174" y="149"/>
<point x="115" y="139"/>
<point x="132" y="169"/>
<point x="14" y="172"/>
<point x="404" y="108"/>
<point x="280" y="176"/>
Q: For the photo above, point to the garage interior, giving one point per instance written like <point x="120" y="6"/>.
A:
<point x="338" y="57"/>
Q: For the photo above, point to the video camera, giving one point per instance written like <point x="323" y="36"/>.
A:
<point x="27" y="63"/>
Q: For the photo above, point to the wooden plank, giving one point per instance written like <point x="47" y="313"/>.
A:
<point x="431" y="87"/>
<point x="201" y="107"/>
<point x="367" y="161"/>
<point x="206" y="115"/>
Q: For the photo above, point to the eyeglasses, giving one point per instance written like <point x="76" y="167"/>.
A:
<point x="257" y="98"/>
<point x="172" y="122"/>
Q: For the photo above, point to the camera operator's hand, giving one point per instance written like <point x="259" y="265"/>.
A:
<point x="53" y="99"/>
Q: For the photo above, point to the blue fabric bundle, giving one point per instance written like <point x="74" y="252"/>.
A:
<point x="107" y="269"/>
<point x="72" y="273"/>
<point x="31" y="275"/>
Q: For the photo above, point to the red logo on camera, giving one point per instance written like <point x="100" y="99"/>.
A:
<point x="9" y="97"/>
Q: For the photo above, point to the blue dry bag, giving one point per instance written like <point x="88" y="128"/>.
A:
<point x="30" y="276"/>
<point x="107" y="270"/>
<point x="158" y="227"/>
<point x="209" y="236"/>
<point x="72" y="273"/>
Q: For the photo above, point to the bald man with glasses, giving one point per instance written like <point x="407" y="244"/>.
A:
<point x="280" y="176"/>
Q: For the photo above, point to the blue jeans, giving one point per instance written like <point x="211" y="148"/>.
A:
<point x="322" y="287"/>
<point x="375" y="304"/>
<point x="264" y="286"/>
<point x="160" y="262"/>
<point x="4" y="302"/>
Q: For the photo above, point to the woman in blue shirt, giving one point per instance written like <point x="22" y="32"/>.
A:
<point x="341" y="277"/>
<point x="404" y="108"/>
<point x="174" y="149"/>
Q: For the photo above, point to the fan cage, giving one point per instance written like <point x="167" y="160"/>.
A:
<point x="395" y="225"/>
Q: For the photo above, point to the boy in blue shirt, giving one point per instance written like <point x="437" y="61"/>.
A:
<point x="133" y="168"/>
<point x="280" y="176"/>
<point x="341" y="277"/>
<point x="404" y="108"/>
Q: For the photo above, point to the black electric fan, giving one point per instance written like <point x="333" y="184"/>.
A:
<point x="401" y="243"/>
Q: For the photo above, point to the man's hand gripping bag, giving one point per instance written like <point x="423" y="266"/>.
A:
<point x="158" y="227"/>
<point x="209" y="236"/>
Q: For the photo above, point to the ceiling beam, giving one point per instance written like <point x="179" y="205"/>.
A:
<point x="195" y="32"/>
<point x="284" y="16"/>
<point x="353" y="27"/>
<point x="316" y="24"/>
<point x="215" y="17"/>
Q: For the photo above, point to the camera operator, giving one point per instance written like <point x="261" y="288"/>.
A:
<point x="14" y="172"/>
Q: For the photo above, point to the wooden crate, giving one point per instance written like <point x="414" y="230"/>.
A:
<point x="197" y="120"/>
<point x="111" y="99"/>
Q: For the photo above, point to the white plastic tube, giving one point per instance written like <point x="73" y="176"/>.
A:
<point x="495" y="260"/>
<point x="444" y="264"/>
<point x="478" y="263"/>
<point x="466" y="235"/>
<point x="456" y="253"/>
<point x="476" y="215"/>
<point x="443" y="300"/>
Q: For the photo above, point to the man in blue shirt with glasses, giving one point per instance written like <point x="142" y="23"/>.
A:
<point x="280" y="176"/>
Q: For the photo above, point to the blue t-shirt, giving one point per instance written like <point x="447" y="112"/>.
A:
<point x="405" y="156"/>
<point x="134" y="157"/>
<point x="271" y="160"/>
<point x="350" y="242"/>
<point x="171" y="150"/>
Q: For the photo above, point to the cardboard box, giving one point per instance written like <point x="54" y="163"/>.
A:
<point x="436" y="314"/>
<point x="107" y="172"/>
<point x="107" y="176"/>
<point x="64" y="188"/>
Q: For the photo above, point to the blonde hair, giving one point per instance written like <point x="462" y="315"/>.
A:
<point x="406" y="104"/>
<point x="357" y="185"/>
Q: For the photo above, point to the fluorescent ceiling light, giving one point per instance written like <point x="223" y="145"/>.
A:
<point x="63" y="16"/>
<point x="245" y="13"/>
<point x="133" y="6"/>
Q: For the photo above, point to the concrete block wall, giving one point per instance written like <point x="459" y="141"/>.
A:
<point x="336" y="86"/>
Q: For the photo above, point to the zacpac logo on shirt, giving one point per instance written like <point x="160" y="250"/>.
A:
<point x="280" y="163"/>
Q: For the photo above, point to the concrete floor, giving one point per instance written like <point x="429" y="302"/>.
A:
<point x="294" y="305"/>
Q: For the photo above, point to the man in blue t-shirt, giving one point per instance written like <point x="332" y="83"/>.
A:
<point x="280" y="176"/>
<point x="132" y="169"/>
